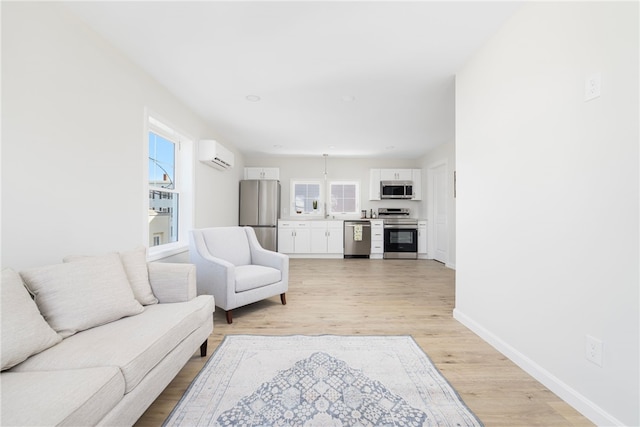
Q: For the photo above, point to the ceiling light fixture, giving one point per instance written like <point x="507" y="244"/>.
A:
<point x="252" y="98"/>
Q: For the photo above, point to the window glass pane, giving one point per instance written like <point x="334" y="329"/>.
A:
<point x="344" y="197"/>
<point x="163" y="217"/>
<point x="162" y="162"/>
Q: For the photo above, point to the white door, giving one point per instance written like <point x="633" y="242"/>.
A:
<point x="440" y="229"/>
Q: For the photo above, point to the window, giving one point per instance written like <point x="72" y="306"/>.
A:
<point x="163" y="194"/>
<point x="345" y="197"/>
<point x="306" y="197"/>
<point x="169" y="180"/>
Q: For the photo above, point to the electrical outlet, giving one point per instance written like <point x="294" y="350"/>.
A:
<point x="592" y="86"/>
<point x="594" y="350"/>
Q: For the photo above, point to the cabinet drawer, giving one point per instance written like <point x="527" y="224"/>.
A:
<point x="377" y="248"/>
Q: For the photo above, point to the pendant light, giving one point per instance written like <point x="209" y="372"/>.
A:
<point x="325" y="165"/>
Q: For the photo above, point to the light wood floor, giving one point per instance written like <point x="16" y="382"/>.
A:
<point x="389" y="297"/>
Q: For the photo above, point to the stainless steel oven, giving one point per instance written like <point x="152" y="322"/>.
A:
<point x="400" y="233"/>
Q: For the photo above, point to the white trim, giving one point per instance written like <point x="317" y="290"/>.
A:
<point x="165" y="251"/>
<point x="583" y="405"/>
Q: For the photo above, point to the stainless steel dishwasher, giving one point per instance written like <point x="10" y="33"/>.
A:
<point x="357" y="239"/>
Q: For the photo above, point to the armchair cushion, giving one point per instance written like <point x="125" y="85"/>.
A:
<point x="255" y="276"/>
<point x="230" y="244"/>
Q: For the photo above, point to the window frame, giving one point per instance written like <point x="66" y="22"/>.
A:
<point x="183" y="185"/>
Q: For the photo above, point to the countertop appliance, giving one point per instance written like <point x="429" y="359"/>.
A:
<point x="396" y="189"/>
<point x="260" y="209"/>
<point x="400" y="233"/>
<point x="357" y="239"/>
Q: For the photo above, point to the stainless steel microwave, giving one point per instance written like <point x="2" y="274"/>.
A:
<point x="396" y="189"/>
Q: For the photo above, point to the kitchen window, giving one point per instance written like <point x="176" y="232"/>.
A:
<point x="345" y="197"/>
<point x="306" y="197"/>
<point x="169" y="183"/>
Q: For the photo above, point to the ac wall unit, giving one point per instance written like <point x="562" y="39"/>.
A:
<point x="215" y="154"/>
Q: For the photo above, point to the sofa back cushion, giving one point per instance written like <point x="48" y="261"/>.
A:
<point x="83" y="294"/>
<point x="135" y="266"/>
<point x="24" y="330"/>
<point x="228" y="243"/>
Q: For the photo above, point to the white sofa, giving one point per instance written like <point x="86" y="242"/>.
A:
<point x="100" y="339"/>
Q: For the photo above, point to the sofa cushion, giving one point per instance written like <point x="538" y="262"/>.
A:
<point x="77" y="397"/>
<point x="255" y="276"/>
<point x="80" y="295"/>
<point x="134" y="344"/>
<point x="135" y="267"/>
<point x="24" y="330"/>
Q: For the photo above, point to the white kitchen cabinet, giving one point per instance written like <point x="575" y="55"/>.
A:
<point x="377" y="239"/>
<point x="422" y="239"/>
<point x="416" y="177"/>
<point x="327" y="237"/>
<point x="374" y="184"/>
<point x="395" y="175"/>
<point x="261" y="173"/>
<point x="294" y="237"/>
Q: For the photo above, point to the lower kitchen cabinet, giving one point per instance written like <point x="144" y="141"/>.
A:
<point x="422" y="239"/>
<point x="377" y="239"/>
<point x="327" y="237"/>
<point x="294" y="237"/>
<point x="311" y="238"/>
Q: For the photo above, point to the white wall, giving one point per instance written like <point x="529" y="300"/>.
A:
<point x="547" y="200"/>
<point x="338" y="169"/>
<point x="73" y="139"/>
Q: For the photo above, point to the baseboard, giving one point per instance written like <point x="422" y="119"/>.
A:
<point x="580" y="403"/>
<point x="450" y="265"/>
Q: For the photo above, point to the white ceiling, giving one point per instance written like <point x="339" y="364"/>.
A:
<point x="396" y="60"/>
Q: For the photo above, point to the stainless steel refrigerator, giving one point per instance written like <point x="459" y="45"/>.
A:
<point x="260" y="209"/>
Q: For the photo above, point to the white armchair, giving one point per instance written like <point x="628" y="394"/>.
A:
<point x="233" y="267"/>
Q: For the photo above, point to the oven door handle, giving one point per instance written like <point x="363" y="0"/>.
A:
<point x="401" y="226"/>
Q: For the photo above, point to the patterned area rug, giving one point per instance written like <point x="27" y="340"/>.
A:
<point x="324" y="381"/>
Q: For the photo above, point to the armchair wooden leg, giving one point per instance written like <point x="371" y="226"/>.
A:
<point x="283" y="298"/>
<point x="203" y="348"/>
<point x="229" y="317"/>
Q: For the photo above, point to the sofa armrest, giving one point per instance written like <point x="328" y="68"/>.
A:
<point x="172" y="282"/>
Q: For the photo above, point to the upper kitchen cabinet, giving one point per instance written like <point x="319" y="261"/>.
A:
<point x="416" y="177"/>
<point x="377" y="175"/>
<point x="395" y="175"/>
<point x="261" y="173"/>
<point x="374" y="184"/>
